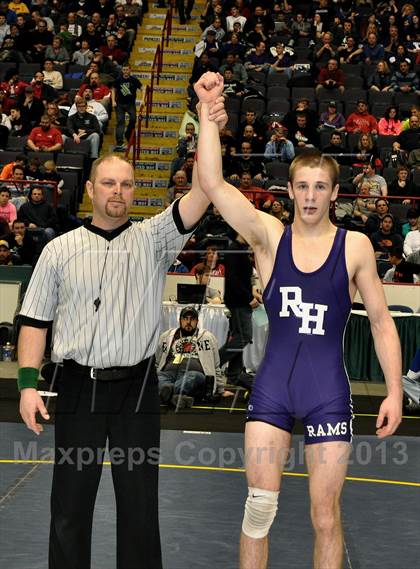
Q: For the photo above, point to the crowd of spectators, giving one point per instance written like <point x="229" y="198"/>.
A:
<point x="341" y="76"/>
<point x="63" y="67"/>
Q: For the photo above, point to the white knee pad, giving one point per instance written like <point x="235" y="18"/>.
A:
<point x="260" y="511"/>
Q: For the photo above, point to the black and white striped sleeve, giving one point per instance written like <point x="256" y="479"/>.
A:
<point x="169" y="234"/>
<point x="41" y="297"/>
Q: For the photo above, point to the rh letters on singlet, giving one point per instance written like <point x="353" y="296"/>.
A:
<point x="308" y="312"/>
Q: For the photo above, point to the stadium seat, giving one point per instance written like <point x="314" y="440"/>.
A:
<point x="389" y="174"/>
<point x="29" y="68"/>
<point x="278" y="107"/>
<point x="232" y="105"/>
<point x="278" y="92"/>
<point x="302" y="93"/>
<point x="70" y="147"/>
<point x="351" y="81"/>
<point x="385" y="97"/>
<point x="257" y="105"/>
<point x="256" y="76"/>
<point x="42" y="156"/>
<point x="277" y="169"/>
<point x="276" y="79"/>
<point x="17" y="143"/>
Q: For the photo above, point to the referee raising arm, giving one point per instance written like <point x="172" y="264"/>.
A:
<point x="102" y="286"/>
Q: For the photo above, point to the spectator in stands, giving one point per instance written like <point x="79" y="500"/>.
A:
<point x="4" y="27"/>
<point x="33" y="169"/>
<point x="380" y="80"/>
<point x="255" y="194"/>
<point x="331" y="118"/>
<point x="390" y="124"/>
<point x="188" y="166"/>
<point x="185" y="356"/>
<point x="36" y="213"/>
<point x="336" y="148"/>
<point x="304" y="135"/>
<point x="299" y="27"/>
<point x="279" y="147"/>
<point x="402" y="186"/>
<point x="234" y="17"/>
<point x="93" y="107"/>
<point x="212" y="295"/>
<point x="15" y="184"/>
<point x="12" y="85"/>
<point x="366" y="151"/>
<point x="350" y="52"/>
<point x="374" y="220"/>
<point x="324" y="49"/>
<point x="57" y="118"/>
<point x="412" y="221"/>
<point x="302" y="106"/>
<point x="44" y="137"/>
<point x="178" y="267"/>
<point x="412" y="241"/>
<point x="187" y="143"/>
<point x="41" y="90"/>
<point x="278" y="211"/>
<point x="409" y="139"/>
<point x="7" y="170"/>
<point x="180" y="183"/>
<point x="233" y="45"/>
<point x="317" y="28"/>
<point x="213" y="225"/>
<point x="232" y="88"/>
<point x="386" y="239"/>
<point x="372" y="50"/>
<point x="260" y="16"/>
<point x="251" y="119"/>
<point x="21" y="242"/>
<point x="73" y="27"/>
<point x="211" y="264"/>
<point x="414" y="111"/>
<point x="363" y="205"/>
<point x="331" y="77"/>
<point x="85" y="126"/>
<point x="84" y="55"/>
<point x="239" y="71"/>
<point x="256" y="35"/>
<point x="245" y="162"/>
<point x="112" y="51"/>
<point x="258" y="60"/>
<point x="6" y="256"/>
<point x="404" y="270"/>
<point x="91" y="36"/>
<point x="201" y="66"/>
<point x="101" y="93"/>
<point x="400" y="56"/>
<point x="19" y="124"/>
<point x="5" y="128"/>
<point x="52" y="77"/>
<point x="19" y="7"/>
<point x="57" y="52"/>
<point x="282" y="63"/>
<point x="404" y="80"/>
<point x="249" y="135"/>
<point x="50" y="173"/>
<point x="361" y="120"/>
<point x="124" y="94"/>
<point x="7" y="208"/>
<point x="378" y="185"/>
<point x="32" y="108"/>
<point x="40" y="39"/>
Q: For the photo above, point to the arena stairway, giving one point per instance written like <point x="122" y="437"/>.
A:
<point x="169" y="105"/>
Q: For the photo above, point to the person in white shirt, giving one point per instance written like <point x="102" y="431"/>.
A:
<point x="4" y="27"/>
<point x="234" y="17"/>
<point x="52" y="77"/>
<point x="412" y="241"/>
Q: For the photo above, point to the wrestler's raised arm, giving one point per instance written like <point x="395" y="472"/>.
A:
<point x="255" y="226"/>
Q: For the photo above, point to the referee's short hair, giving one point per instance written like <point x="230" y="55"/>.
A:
<point x="106" y="158"/>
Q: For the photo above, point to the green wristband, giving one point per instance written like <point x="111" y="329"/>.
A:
<point x="27" y="377"/>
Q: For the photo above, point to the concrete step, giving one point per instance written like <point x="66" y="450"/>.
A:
<point x="146" y="168"/>
<point x="175" y="42"/>
<point x="166" y="79"/>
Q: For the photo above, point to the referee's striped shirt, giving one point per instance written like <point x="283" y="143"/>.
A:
<point x="125" y="269"/>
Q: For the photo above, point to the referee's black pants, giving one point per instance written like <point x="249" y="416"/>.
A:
<point x="88" y="413"/>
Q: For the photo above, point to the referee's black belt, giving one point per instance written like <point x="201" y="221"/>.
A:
<point x="108" y="373"/>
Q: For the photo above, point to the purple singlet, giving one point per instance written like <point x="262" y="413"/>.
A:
<point x="302" y="374"/>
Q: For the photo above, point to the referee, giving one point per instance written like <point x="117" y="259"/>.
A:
<point x="102" y="286"/>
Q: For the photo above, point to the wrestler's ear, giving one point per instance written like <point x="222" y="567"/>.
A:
<point x="290" y="190"/>
<point x="335" y="192"/>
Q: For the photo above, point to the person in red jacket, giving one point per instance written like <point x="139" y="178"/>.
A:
<point x="361" y="120"/>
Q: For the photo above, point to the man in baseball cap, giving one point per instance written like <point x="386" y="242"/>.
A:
<point x="186" y="357"/>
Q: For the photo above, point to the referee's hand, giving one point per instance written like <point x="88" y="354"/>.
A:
<point x="30" y="404"/>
